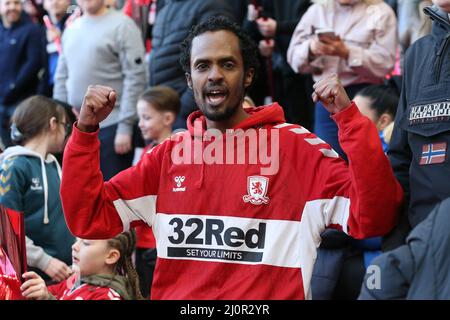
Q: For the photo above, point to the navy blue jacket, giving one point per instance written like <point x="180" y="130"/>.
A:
<point x="419" y="148"/>
<point x="22" y="60"/>
<point x="418" y="270"/>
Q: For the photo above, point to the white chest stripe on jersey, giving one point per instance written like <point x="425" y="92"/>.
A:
<point x="228" y="239"/>
<point x="316" y="216"/>
<point x="143" y="208"/>
<point x="282" y="125"/>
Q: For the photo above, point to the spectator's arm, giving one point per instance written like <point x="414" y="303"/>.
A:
<point x="379" y="58"/>
<point x="13" y="184"/>
<point x="131" y="55"/>
<point x="61" y="76"/>
<point x="298" y="54"/>
<point x="36" y="256"/>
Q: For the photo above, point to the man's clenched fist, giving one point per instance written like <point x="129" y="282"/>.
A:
<point x="98" y="103"/>
<point x="331" y="93"/>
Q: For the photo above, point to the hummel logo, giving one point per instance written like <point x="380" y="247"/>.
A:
<point x="179" y="180"/>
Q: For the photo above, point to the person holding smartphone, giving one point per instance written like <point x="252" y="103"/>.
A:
<point x="358" y="44"/>
<point x="356" y="39"/>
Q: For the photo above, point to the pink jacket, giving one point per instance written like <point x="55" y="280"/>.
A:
<point x="369" y="31"/>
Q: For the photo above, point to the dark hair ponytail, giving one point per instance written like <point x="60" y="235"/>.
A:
<point x="126" y="243"/>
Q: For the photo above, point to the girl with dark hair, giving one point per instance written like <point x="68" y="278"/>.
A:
<point x="30" y="178"/>
<point x="379" y="103"/>
<point x="104" y="271"/>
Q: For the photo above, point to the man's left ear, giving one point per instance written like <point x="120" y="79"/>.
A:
<point x="249" y="74"/>
<point x="188" y="79"/>
<point x="112" y="257"/>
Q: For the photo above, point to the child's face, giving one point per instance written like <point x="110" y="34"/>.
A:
<point x="152" y="122"/>
<point x="91" y="256"/>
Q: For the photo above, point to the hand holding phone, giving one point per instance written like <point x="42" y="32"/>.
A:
<point x="325" y="34"/>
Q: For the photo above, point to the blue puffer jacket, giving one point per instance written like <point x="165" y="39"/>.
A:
<point x="418" y="270"/>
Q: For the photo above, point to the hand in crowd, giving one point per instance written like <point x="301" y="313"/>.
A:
<point x="53" y="33"/>
<point x="122" y="143"/>
<point x="331" y="93"/>
<point x="267" y="27"/>
<point x="58" y="270"/>
<point x="329" y="47"/>
<point x="98" y="103"/>
<point x="266" y="47"/>
<point x="34" y="287"/>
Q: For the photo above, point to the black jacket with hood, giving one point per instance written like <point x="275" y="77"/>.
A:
<point x="423" y="121"/>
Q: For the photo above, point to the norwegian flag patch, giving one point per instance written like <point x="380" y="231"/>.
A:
<point x="433" y="153"/>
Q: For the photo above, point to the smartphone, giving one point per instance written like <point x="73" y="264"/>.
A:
<point x="325" y="34"/>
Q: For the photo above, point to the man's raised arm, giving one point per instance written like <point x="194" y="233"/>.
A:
<point x="95" y="209"/>
<point x="368" y="182"/>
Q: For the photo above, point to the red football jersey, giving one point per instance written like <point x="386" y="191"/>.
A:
<point x="237" y="231"/>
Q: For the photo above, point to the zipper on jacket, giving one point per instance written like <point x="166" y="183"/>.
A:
<point x="441" y="54"/>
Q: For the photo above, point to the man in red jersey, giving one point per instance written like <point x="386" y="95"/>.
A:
<point x="227" y="226"/>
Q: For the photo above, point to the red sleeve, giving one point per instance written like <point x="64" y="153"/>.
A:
<point x="95" y="209"/>
<point x="375" y="193"/>
<point x="361" y="198"/>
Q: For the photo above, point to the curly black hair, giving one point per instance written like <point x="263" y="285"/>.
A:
<point x="248" y="47"/>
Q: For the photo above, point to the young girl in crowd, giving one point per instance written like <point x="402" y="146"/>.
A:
<point x="379" y="104"/>
<point x="157" y="108"/>
<point x="30" y="179"/>
<point x="103" y="271"/>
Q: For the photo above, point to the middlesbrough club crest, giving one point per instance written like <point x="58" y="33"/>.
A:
<point x="257" y="189"/>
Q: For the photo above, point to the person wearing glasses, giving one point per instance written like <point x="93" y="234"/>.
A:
<point x="30" y="178"/>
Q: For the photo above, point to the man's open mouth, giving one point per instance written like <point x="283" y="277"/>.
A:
<point x="216" y="97"/>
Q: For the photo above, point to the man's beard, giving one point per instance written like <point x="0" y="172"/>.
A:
<point x="220" y="116"/>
